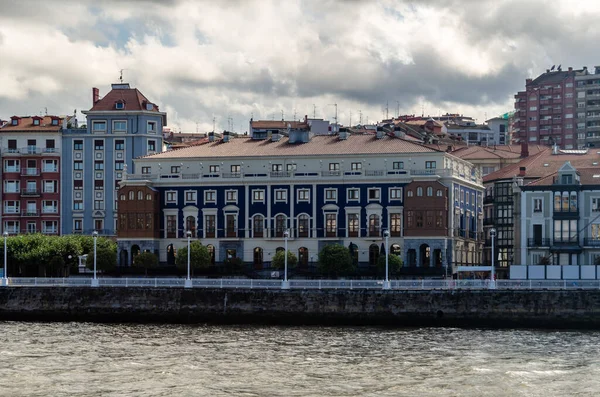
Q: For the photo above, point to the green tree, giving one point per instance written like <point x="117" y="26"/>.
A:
<point x="278" y="261"/>
<point x="145" y="260"/>
<point x="199" y="256"/>
<point x="335" y="261"/>
<point x="394" y="264"/>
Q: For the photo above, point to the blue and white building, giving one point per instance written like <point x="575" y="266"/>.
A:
<point x="122" y="125"/>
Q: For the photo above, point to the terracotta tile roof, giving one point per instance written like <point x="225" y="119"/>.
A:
<point x="277" y="124"/>
<point x="318" y="146"/>
<point x="26" y="124"/>
<point x="133" y="99"/>
<point x="587" y="176"/>
<point x="495" y="152"/>
<point x="543" y="164"/>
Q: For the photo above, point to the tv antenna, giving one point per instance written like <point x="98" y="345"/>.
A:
<point x="314" y="111"/>
<point x="121" y="75"/>
<point x="360" y="117"/>
<point x="335" y="118"/>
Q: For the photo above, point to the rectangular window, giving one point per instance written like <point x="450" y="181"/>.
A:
<point x="171" y="226"/>
<point x="50" y="165"/>
<point x="281" y="195"/>
<point x="210" y="196"/>
<point x="291" y="167"/>
<point x="119" y="144"/>
<point x="236" y="169"/>
<point x="596" y="204"/>
<point x="213" y="169"/>
<point x="430" y="164"/>
<point x="77" y="225"/>
<point x="374" y="194"/>
<point x="11" y="186"/>
<point x="119" y="165"/>
<point x="77" y="145"/>
<point x="78" y="205"/>
<point x="330" y="194"/>
<point x="190" y="196"/>
<point x="353" y="228"/>
<point x="98" y="126"/>
<point x="12" y="146"/>
<point x="398" y="165"/>
<point x="258" y="196"/>
<point x="146" y="170"/>
<point x="98" y="144"/>
<point x="334" y="166"/>
<point x="151" y="127"/>
<point x="175" y="169"/>
<point x="78" y="165"/>
<point x="354" y="194"/>
<point x="210" y="224"/>
<point x="119" y="126"/>
<point x="277" y="167"/>
<point x="98" y="165"/>
<point x="396" y="193"/>
<point x="51" y="186"/>
<point x="356" y="166"/>
<point x="303" y="195"/>
<point x="231" y="196"/>
<point x="537" y="205"/>
<point x="151" y="146"/>
<point x="171" y="197"/>
<point x="330" y="225"/>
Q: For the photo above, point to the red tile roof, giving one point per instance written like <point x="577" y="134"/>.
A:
<point x="133" y="99"/>
<point x="495" y="152"/>
<point x="587" y="176"/>
<point x="277" y="124"/>
<point x="318" y="145"/>
<point x="545" y="163"/>
<point x="26" y="124"/>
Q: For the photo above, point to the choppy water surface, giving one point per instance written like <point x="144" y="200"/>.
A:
<point x="63" y="359"/>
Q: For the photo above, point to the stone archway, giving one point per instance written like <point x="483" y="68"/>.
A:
<point x="170" y="255"/>
<point x="124" y="258"/>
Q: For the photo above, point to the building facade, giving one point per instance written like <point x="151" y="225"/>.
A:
<point x="31" y="166"/>
<point x="122" y="125"/>
<point x="588" y="107"/>
<point x="239" y="195"/>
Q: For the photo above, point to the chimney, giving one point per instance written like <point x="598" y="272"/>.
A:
<point x="449" y="149"/>
<point x="306" y="118"/>
<point x="522" y="171"/>
<point x="547" y="70"/>
<point x="95" y="95"/>
<point x="211" y="136"/>
<point x="524" y="149"/>
<point x="343" y="134"/>
<point x="64" y="123"/>
<point x="225" y="136"/>
<point x="570" y="69"/>
<point x="528" y="81"/>
<point x="379" y="132"/>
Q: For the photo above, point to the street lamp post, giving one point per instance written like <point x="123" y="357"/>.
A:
<point x="285" y="284"/>
<point x="95" y="279"/>
<point x="492" y="276"/>
<point x="5" y="276"/>
<point x="386" y="283"/>
<point x="188" y="280"/>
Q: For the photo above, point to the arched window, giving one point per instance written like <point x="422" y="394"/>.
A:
<point x="395" y="225"/>
<point x="409" y="193"/>
<point x="374" y="225"/>
<point x="429" y="191"/>
<point x="557" y="201"/>
<point x="122" y="197"/>
<point x="258" y="226"/>
<point x="148" y="197"/>
<point x="303" y="225"/>
<point x="395" y="250"/>
<point x="279" y="249"/>
<point x="280" y="225"/>
<point x="131" y="195"/>
<point x="419" y="191"/>
<point x="190" y="224"/>
<point x="439" y="193"/>
<point x="303" y="257"/>
<point x="140" y="195"/>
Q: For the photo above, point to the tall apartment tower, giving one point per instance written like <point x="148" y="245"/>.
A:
<point x="545" y="112"/>
<point x="588" y="107"/>
<point x="122" y="125"/>
<point x="31" y="174"/>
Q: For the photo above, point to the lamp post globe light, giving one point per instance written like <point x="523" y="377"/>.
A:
<point x="285" y="284"/>
<point x="5" y="275"/>
<point x="492" y="275"/>
<point x="188" y="280"/>
<point x="95" y="279"/>
<point x="386" y="283"/>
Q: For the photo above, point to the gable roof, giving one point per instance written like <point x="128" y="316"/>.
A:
<point x="26" y="124"/>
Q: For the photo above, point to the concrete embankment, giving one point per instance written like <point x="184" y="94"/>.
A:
<point x="481" y="308"/>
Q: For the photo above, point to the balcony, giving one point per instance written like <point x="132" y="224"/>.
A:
<point x="331" y="173"/>
<point x="374" y="172"/>
<point x="12" y="169"/>
<point x="49" y="210"/>
<point x="538" y="242"/>
<point x="29" y="213"/>
<point x="30" y="192"/>
<point x="30" y="172"/>
<point x="591" y="241"/>
<point x="280" y="174"/>
<point x="11" y="210"/>
<point x="232" y="175"/>
<point x="488" y="221"/>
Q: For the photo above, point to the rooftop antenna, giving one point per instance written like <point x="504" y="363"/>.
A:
<point x="314" y="111"/>
<point x="294" y="114"/>
<point x="46" y="110"/>
<point x="282" y="118"/>
<point x="121" y="75"/>
<point x="397" y="108"/>
<point x="350" y="124"/>
<point x="360" y="117"/>
<point x="213" y="125"/>
<point x="552" y="68"/>
<point x="335" y="118"/>
<point x="196" y="127"/>
<point x="387" y="110"/>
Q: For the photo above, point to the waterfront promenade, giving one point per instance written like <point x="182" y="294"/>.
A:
<point x="242" y="283"/>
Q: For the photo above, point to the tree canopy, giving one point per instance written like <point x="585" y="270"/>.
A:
<point x="335" y="260"/>
<point x="278" y="261"/>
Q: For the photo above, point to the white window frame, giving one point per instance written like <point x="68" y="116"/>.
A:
<point x="122" y="130"/>
<point x="208" y="200"/>
<point x="171" y="196"/>
<point x="261" y="196"/>
<point x="98" y="122"/>
<point x="378" y="190"/>
<point x="353" y="189"/>
<point x="151" y="130"/>
<point x="281" y="196"/>
<point x="231" y="196"/>
<point x="356" y="166"/>
<point x="213" y="169"/>
<point x="300" y="193"/>
<point x="15" y="190"/>
<point x="148" y="145"/>
<point x="331" y="192"/>
<point x="193" y="199"/>
<point x="395" y="193"/>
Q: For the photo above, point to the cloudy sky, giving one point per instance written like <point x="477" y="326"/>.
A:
<point x="234" y="59"/>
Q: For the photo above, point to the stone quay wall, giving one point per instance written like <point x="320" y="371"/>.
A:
<point x="461" y="308"/>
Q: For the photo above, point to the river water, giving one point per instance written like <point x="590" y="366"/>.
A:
<point x="84" y="359"/>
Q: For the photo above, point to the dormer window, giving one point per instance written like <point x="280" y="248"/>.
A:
<point x="149" y="106"/>
<point x="36" y="122"/>
<point x="120" y="105"/>
<point x="54" y="121"/>
<point x="14" y="121"/>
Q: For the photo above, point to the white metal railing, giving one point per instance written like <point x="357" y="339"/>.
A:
<point x="242" y="283"/>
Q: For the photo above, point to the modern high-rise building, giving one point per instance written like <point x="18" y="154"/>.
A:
<point x="588" y="107"/>
<point x="546" y="110"/>
<point x="122" y="125"/>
